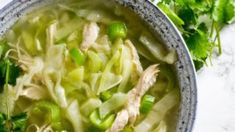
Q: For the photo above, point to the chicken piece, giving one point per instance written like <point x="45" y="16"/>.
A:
<point x="120" y="121"/>
<point x="90" y="34"/>
<point x="130" y="112"/>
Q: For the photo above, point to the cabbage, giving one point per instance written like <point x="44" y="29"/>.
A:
<point x="103" y="45"/>
<point x="94" y="81"/>
<point x="29" y="42"/>
<point x="74" y="116"/>
<point x="158" y="111"/>
<point x="109" y="79"/>
<point x="116" y="101"/>
<point x="94" y="62"/>
<point x="69" y="28"/>
<point x="90" y="105"/>
<point x="156" y="49"/>
<point x="55" y="57"/>
<point x="127" y="66"/>
<point x="162" y="127"/>
<point x="77" y="75"/>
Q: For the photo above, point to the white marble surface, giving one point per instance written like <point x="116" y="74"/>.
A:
<point x="216" y="88"/>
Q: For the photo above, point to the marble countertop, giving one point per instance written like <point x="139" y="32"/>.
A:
<point x="216" y="88"/>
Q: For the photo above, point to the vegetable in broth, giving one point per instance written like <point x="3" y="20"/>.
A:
<point x="85" y="66"/>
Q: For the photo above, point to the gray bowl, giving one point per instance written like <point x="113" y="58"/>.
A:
<point x="159" y="24"/>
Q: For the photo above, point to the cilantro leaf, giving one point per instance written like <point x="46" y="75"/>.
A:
<point x="224" y="11"/>
<point x="14" y="72"/>
<point x="198" y="44"/>
<point x="19" y="122"/>
<point x="176" y="20"/>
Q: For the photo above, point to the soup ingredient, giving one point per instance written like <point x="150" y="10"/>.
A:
<point x="77" y="56"/>
<point x="90" y="34"/>
<point x="131" y="110"/>
<point x="117" y="30"/>
<point x="147" y="103"/>
<point x="159" y="110"/>
<point x="49" y="110"/>
<point x="156" y="50"/>
<point x="187" y="16"/>
<point x="115" y="102"/>
<point x="99" y="122"/>
<point x="162" y="127"/>
<point x="14" y="72"/>
<point x="74" y="116"/>
<point x="15" y="123"/>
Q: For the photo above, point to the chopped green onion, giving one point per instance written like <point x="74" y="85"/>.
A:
<point x="105" y="95"/>
<point x="77" y="56"/>
<point x="101" y="124"/>
<point x="117" y="30"/>
<point x="147" y="103"/>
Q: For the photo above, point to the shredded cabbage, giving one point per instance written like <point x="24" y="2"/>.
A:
<point x="116" y="101"/>
<point x="109" y="79"/>
<point x="127" y="67"/>
<point x="74" y="116"/>
<point x="159" y="111"/>
<point x="90" y="105"/>
<point x="162" y="127"/>
<point x="156" y="49"/>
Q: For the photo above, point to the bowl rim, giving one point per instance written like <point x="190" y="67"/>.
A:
<point x="193" y="104"/>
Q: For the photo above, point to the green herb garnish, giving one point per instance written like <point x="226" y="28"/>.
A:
<point x="201" y="35"/>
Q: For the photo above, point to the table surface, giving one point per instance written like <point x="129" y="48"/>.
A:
<point x="216" y="88"/>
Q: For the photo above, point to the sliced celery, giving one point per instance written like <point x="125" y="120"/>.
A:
<point x="49" y="110"/>
<point x="117" y="30"/>
<point x="147" y="103"/>
<point x="105" y="95"/>
<point x="77" y="56"/>
<point x="101" y="123"/>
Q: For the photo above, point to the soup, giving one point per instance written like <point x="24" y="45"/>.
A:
<point x="86" y="66"/>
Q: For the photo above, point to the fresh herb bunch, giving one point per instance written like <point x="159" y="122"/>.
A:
<point x="200" y="22"/>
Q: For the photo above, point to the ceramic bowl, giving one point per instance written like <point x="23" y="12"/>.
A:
<point x="159" y="24"/>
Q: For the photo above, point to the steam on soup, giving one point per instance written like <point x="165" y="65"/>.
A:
<point x="85" y="66"/>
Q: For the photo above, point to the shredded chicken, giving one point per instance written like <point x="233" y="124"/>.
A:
<point x="130" y="112"/>
<point x="90" y="34"/>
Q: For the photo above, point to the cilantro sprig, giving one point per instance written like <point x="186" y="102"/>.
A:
<point x="200" y="22"/>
